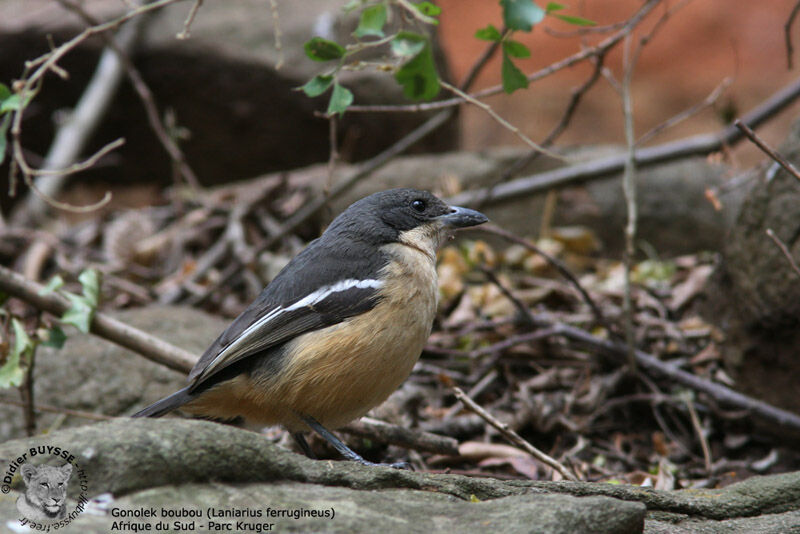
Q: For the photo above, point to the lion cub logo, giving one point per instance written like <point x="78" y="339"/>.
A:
<point x="46" y="493"/>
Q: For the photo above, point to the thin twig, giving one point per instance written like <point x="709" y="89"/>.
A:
<point x="787" y="29"/>
<point x="784" y="249"/>
<point x="558" y="129"/>
<point x="769" y="151"/>
<point x="587" y="53"/>
<point x="407" y="438"/>
<point x="26" y="392"/>
<point x="36" y="69"/>
<point x="558" y="265"/>
<point x="305" y="213"/>
<point x="276" y="28"/>
<point x="602" y="167"/>
<point x="145" y="95"/>
<point x="500" y="120"/>
<point x="512" y="436"/>
<point x="698" y="428"/>
<point x="89" y="162"/>
<point x="629" y="192"/>
<point x="102" y="325"/>
<point x="25" y="214"/>
<point x="184" y="34"/>
<point x="522" y="310"/>
<point x="481" y="62"/>
<point x="511" y="341"/>
<point x="687" y="113"/>
<point x="333" y="155"/>
<point x="656" y="366"/>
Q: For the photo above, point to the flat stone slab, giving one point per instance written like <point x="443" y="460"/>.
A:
<point x="200" y="468"/>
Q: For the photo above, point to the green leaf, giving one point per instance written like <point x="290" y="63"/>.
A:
<point x="553" y="6"/>
<point x="317" y="85"/>
<point x="12" y="373"/>
<point x="489" y="33"/>
<point x="521" y="14"/>
<point x="54" y="337"/>
<point x="14" y="102"/>
<point x="320" y="49"/>
<point x="577" y="21"/>
<point x="428" y="8"/>
<point x="407" y="44"/>
<point x="5" y="92"/>
<point x="79" y="314"/>
<point x="341" y="98"/>
<point x="418" y="75"/>
<point x="90" y="281"/>
<point x="4" y="124"/>
<point x="22" y="341"/>
<point x="372" y="20"/>
<point x="513" y="78"/>
<point x="53" y="285"/>
<point x="516" y="49"/>
<point x="352" y="5"/>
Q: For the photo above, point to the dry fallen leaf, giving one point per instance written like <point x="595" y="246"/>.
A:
<point x="576" y="239"/>
<point x="691" y="287"/>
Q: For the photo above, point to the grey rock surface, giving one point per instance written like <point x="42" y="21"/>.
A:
<point x="201" y="466"/>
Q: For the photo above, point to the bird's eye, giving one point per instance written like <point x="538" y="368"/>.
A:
<point x="419" y="205"/>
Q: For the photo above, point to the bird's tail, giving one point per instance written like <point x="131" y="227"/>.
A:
<point x="167" y="404"/>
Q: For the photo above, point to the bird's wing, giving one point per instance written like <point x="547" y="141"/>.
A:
<point x="312" y="292"/>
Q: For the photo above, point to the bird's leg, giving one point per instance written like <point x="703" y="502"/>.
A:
<point x="298" y="437"/>
<point x="343" y="449"/>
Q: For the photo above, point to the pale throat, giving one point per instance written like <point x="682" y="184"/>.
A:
<point x="426" y="239"/>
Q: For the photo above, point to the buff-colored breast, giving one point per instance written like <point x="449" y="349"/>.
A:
<point x="339" y="373"/>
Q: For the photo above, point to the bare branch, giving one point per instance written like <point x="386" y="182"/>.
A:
<point x="500" y="120"/>
<point x="276" y="27"/>
<point x="787" y="29"/>
<point x="367" y="168"/>
<point x="769" y="151"/>
<point x="512" y="436"/>
<point x="103" y="325"/>
<point x="693" y="146"/>
<point x="587" y="53"/>
<point x="784" y="249"/>
<point x="698" y="429"/>
<point x="184" y="34"/>
<point x="709" y="101"/>
<point x="558" y="265"/>
<point x="408" y="438"/>
<point x="656" y="366"/>
<point x="71" y="138"/>
<point x="145" y="95"/>
<point x="629" y="192"/>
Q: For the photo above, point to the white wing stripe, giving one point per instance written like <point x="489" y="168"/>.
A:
<point x="312" y="298"/>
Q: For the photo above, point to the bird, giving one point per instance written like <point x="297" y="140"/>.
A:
<point x="337" y="330"/>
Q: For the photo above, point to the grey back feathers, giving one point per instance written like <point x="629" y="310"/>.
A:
<point x="335" y="277"/>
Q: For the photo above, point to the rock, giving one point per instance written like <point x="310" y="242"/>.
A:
<point x="244" y="116"/>
<point x="755" y="297"/>
<point x="196" y="465"/>
<point x="763" y="524"/>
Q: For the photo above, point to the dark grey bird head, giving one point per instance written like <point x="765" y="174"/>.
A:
<point x="387" y="216"/>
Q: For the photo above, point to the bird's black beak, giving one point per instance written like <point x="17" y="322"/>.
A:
<point x="459" y="217"/>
